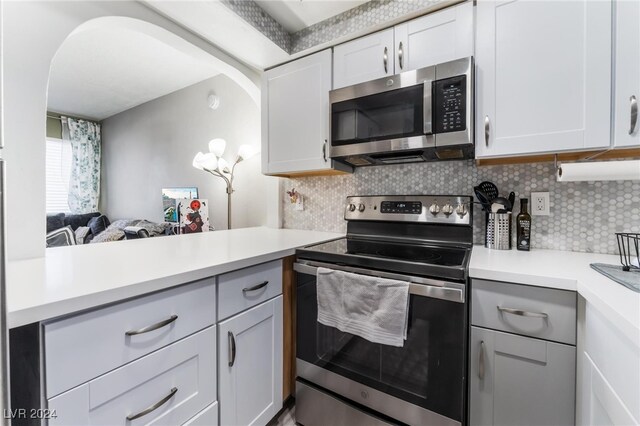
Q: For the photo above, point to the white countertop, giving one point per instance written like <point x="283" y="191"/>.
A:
<point x="71" y="279"/>
<point x="563" y="270"/>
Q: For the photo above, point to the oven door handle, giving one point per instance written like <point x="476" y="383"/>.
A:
<point x="418" y="286"/>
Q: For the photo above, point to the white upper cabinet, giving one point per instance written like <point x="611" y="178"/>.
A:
<point x="363" y="59"/>
<point x="627" y="77"/>
<point x="295" y="116"/>
<point x="543" y="73"/>
<point x="438" y="37"/>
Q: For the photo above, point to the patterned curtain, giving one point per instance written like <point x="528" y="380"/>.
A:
<point x="84" y="185"/>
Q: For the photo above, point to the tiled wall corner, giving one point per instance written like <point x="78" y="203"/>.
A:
<point x="372" y="13"/>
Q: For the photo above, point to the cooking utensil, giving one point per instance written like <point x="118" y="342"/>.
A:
<point x="512" y="199"/>
<point x="490" y="189"/>
<point x="502" y="202"/>
<point x="483" y="198"/>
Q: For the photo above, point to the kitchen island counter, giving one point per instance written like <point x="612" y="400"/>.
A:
<point x="76" y="278"/>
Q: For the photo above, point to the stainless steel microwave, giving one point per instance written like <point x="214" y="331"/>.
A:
<point x="421" y="115"/>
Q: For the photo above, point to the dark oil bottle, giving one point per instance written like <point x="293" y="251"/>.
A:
<point x="523" y="227"/>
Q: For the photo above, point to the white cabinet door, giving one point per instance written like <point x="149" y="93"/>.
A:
<point x="295" y="116"/>
<point x="516" y="380"/>
<point x="438" y="37"/>
<point x="250" y="368"/>
<point x="601" y="405"/>
<point x="543" y="72"/>
<point x="627" y="81"/>
<point x="363" y="59"/>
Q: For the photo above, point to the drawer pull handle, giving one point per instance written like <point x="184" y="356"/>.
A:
<point x="255" y="287"/>
<point x="154" y="406"/>
<point x="232" y="349"/>
<point x="385" y="60"/>
<point x="523" y="313"/>
<point x="481" y="361"/>
<point x="153" y="326"/>
<point x="634" y="114"/>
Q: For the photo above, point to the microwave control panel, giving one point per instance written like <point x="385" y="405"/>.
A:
<point x="450" y="100"/>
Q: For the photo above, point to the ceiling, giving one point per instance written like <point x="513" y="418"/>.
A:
<point x="218" y="24"/>
<point x="295" y="15"/>
<point x="103" y="71"/>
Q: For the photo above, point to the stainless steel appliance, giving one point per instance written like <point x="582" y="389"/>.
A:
<point x="421" y="115"/>
<point x="343" y="379"/>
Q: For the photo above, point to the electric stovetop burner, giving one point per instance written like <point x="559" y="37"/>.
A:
<point x="429" y="236"/>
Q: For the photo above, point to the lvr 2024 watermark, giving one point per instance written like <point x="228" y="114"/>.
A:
<point x="29" y="413"/>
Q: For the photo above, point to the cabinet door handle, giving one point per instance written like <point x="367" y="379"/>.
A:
<point x="385" y="60"/>
<point x="324" y="150"/>
<point x="400" y="56"/>
<point x="152" y="327"/>
<point x="232" y="349"/>
<point x="634" y="114"/>
<point x="481" y="361"/>
<point x="486" y="131"/>
<point x="255" y="287"/>
<point x="522" y="313"/>
<point x="154" y="407"/>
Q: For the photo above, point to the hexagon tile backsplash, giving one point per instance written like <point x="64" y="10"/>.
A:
<point x="584" y="215"/>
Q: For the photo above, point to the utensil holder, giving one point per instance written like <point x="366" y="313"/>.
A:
<point x="498" y="231"/>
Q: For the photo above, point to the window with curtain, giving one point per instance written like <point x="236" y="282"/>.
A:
<point x="58" y="172"/>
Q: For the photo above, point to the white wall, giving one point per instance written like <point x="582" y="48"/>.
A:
<point x="152" y="146"/>
<point x="31" y="34"/>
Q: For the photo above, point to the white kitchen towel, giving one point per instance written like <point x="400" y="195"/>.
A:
<point x="376" y="309"/>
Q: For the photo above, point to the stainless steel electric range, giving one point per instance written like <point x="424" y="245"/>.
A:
<point x="344" y="379"/>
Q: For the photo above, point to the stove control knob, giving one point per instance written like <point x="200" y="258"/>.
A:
<point x="361" y="207"/>
<point x="434" y="209"/>
<point x="461" y="210"/>
<point x="447" y="209"/>
<point x="352" y="207"/>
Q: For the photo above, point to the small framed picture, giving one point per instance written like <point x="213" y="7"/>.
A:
<point x="193" y="215"/>
<point x="170" y="196"/>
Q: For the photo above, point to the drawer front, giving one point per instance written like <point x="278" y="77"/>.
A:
<point x="80" y="348"/>
<point x="240" y="290"/>
<point x="167" y="387"/>
<point x="544" y="313"/>
<point x="207" y="417"/>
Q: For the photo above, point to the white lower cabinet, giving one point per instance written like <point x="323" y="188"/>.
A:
<point x="166" y="387"/>
<point x="602" y="405"/>
<point x="250" y="370"/>
<point x="610" y="380"/>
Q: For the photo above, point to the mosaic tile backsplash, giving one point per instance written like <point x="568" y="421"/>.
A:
<point x="584" y="215"/>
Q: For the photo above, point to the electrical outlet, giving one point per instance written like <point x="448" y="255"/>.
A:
<point x="540" y="204"/>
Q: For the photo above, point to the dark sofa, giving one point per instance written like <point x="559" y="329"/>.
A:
<point x="70" y="229"/>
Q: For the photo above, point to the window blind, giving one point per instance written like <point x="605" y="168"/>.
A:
<point x="58" y="172"/>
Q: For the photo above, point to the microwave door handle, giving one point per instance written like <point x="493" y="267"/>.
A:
<point x="427" y="108"/>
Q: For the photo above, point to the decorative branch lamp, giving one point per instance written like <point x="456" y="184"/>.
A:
<point x="212" y="162"/>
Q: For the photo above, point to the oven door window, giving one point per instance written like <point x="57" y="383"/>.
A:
<point x="388" y="115"/>
<point x="427" y="371"/>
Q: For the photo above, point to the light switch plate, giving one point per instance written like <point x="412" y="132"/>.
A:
<point x="540" y="204"/>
